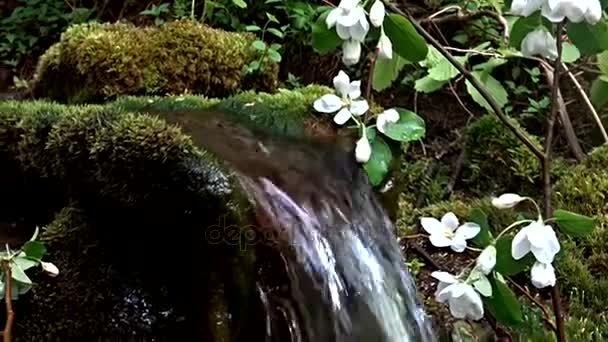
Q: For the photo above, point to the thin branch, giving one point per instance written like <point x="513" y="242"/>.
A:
<point x="563" y="114"/>
<point x="463" y="15"/>
<point x="370" y="75"/>
<point x="474" y="81"/>
<point x="587" y="102"/>
<point x="546" y="315"/>
<point x="548" y="212"/>
<point x="8" y="295"/>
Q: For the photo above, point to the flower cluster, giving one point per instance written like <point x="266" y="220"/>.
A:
<point x="350" y="21"/>
<point x="348" y="104"/>
<point x="539" y="41"/>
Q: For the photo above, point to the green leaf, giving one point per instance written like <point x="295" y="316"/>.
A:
<point x="19" y="275"/>
<point x="324" y="40"/>
<point x="407" y="43"/>
<point x="378" y="164"/>
<point x="276" y="32"/>
<point x="272" y="18"/>
<point x="386" y="71"/>
<point x="570" y="53"/>
<point x="490" y="64"/>
<point x="496" y="90"/>
<point x="574" y="224"/>
<point x="484" y="238"/>
<point x="505" y="263"/>
<point x="274" y="55"/>
<point x="259" y="45"/>
<point x="589" y="39"/>
<point x="503" y="303"/>
<point x="428" y="85"/>
<point x="34" y="249"/>
<point x="598" y="93"/>
<point x="444" y="70"/>
<point x="252" y="28"/>
<point x="410" y="127"/>
<point x="240" y="3"/>
<point x="24" y="262"/>
<point x="481" y="283"/>
<point x="525" y="25"/>
<point x="602" y="62"/>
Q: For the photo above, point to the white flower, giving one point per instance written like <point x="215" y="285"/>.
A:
<point x="385" y="46"/>
<point x="349" y="19"/>
<point x="377" y="13"/>
<point x="346" y="104"/>
<point x="543" y="275"/>
<point x="539" y="42"/>
<point x="506" y="201"/>
<point x="363" y="150"/>
<point x="385" y="118"/>
<point x="49" y="268"/>
<point x="463" y="300"/>
<point x="538" y="238"/>
<point x="526" y="7"/>
<point x="487" y="260"/>
<point x="573" y="10"/>
<point x="448" y="233"/>
<point x="351" y="52"/>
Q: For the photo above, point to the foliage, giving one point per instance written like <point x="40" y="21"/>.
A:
<point x="98" y="61"/>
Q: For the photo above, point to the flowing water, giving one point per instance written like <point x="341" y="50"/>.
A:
<point x="344" y="278"/>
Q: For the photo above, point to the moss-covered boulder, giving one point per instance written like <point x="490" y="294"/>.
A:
<point x="94" y="61"/>
<point x="126" y="199"/>
<point x="496" y="161"/>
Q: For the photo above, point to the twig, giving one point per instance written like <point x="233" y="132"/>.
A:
<point x="8" y="295"/>
<point x="462" y="15"/>
<point x="563" y="114"/>
<point x="426" y="256"/>
<point x="546" y="315"/>
<point x="587" y="102"/>
<point x="474" y="81"/>
<point x="555" y="294"/>
<point x="370" y="75"/>
<point x="459" y="99"/>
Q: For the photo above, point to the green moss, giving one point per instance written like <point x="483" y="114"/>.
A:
<point x="96" y="61"/>
<point x="497" y="161"/>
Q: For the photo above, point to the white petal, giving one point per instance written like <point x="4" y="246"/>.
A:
<point x="468" y="230"/>
<point x="520" y="245"/>
<point x="458" y="244"/>
<point x="525" y="7"/>
<point x="545" y="245"/>
<point x="444" y="277"/>
<point x="539" y="42"/>
<point x="537" y="234"/>
<point x="450" y="221"/>
<point x="445" y="293"/>
<point x="574" y="10"/>
<point x="359" y="108"/>
<point x="328" y="104"/>
<point x="594" y="12"/>
<point x="49" y="268"/>
<point x="506" y="201"/>
<point x="343" y="31"/>
<point x="385" y="47"/>
<point x="440" y="240"/>
<point x="342" y="117"/>
<point x="459" y="289"/>
<point x="543" y="275"/>
<point x="553" y="16"/>
<point x="354" y="90"/>
<point x="487" y="260"/>
<point x="363" y="150"/>
<point x="431" y="225"/>
<point x="475" y="307"/>
<point x="376" y="13"/>
<point x="342" y="83"/>
<point x="333" y="16"/>
<point x="349" y="4"/>
<point x="385" y="118"/>
<point x="351" y="52"/>
<point x="359" y="30"/>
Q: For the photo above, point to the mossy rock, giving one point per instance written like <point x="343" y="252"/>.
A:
<point x="497" y="161"/>
<point x="126" y="198"/>
<point x="96" y="61"/>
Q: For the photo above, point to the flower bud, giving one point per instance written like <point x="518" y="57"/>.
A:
<point x="385" y="47"/>
<point x="351" y="52"/>
<point x="543" y="275"/>
<point x="539" y="42"/>
<point x="363" y="150"/>
<point x="49" y="268"/>
<point x="506" y="201"/>
<point x="487" y="260"/>
<point x="376" y="13"/>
